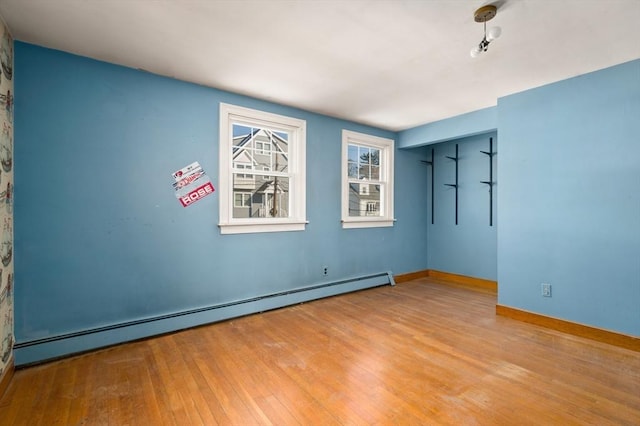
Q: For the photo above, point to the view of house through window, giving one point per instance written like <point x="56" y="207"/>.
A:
<point x="263" y="192"/>
<point x="367" y="180"/>
<point x="364" y="180"/>
<point x="262" y="171"/>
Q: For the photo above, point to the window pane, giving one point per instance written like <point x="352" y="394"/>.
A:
<point x="352" y="153"/>
<point x="364" y="199"/>
<point x="375" y="172"/>
<point x="242" y="156"/>
<point x="278" y="161"/>
<point x="364" y="155"/>
<point x="365" y="172"/>
<point x="262" y="197"/>
<point x="240" y="130"/>
<point x="280" y="142"/>
<point x="277" y="197"/>
<point x="279" y="152"/>
<point x="242" y="134"/>
<point x="352" y="170"/>
<point x="375" y="156"/>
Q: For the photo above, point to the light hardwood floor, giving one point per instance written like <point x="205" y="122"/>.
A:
<point x="419" y="353"/>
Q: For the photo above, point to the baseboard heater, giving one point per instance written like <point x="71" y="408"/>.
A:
<point x="51" y="347"/>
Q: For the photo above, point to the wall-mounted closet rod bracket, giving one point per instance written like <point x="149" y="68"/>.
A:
<point x="490" y="181"/>
<point x="431" y="163"/>
<point x="455" y="185"/>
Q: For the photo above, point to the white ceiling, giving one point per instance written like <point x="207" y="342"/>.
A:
<point x="393" y="64"/>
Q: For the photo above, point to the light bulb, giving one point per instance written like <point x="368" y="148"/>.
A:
<point x="475" y="52"/>
<point x="494" y="33"/>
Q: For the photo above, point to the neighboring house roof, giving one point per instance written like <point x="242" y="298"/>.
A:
<point x="241" y="155"/>
<point x="242" y="141"/>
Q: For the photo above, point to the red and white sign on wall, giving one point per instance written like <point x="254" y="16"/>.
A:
<point x="191" y="184"/>
<point x="197" y="194"/>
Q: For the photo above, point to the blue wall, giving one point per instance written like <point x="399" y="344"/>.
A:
<point x="473" y="123"/>
<point x="101" y="240"/>
<point x="569" y="199"/>
<point x="468" y="248"/>
<point x="100" y="237"/>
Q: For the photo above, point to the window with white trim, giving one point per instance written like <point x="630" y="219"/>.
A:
<point x="271" y="197"/>
<point x="243" y="166"/>
<point x="367" y="180"/>
<point x="241" y="199"/>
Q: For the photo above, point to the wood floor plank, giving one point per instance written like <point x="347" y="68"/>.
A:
<point x="417" y="353"/>
<point x="195" y="405"/>
<point x="276" y="362"/>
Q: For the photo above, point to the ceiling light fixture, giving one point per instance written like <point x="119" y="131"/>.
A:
<point x="484" y="14"/>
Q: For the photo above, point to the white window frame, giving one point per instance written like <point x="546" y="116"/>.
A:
<point x="386" y="147"/>
<point x="296" y="129"/>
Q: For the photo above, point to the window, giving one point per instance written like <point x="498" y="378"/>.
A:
<point x="241" y="166"/>
<point x="367" y="180"/>
<point x="242" y="199"/>
<point x="263" y="148"/>
<point x="271" y="197"/>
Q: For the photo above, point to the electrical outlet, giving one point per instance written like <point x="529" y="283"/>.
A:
<point x="325" y="270"/>
<point x="546" y="290"/>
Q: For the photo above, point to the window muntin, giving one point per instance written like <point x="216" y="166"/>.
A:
<point x="364" y="162"/>
<point x="367" y="180"/>
<point x="273" y="148"/>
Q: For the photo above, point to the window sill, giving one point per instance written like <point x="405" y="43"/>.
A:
<point x="252" y="228"/>
<point x="367" y="223"/>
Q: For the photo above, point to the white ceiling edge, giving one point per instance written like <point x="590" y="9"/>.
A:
<point x="393" y="65"/>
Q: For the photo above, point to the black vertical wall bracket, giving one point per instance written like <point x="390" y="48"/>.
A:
<point x="490" y="181"/>
<point x="455" y="185"/>
<point x="431" y="163"/>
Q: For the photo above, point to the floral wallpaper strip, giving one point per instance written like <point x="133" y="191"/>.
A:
<point x="6" y="198"/>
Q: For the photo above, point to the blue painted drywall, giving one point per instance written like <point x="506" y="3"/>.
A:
<point x="468" y="248"/>
<point x="473" y="123"/>
<point x="100" y="238"/>
<point x="569" y="199"/>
